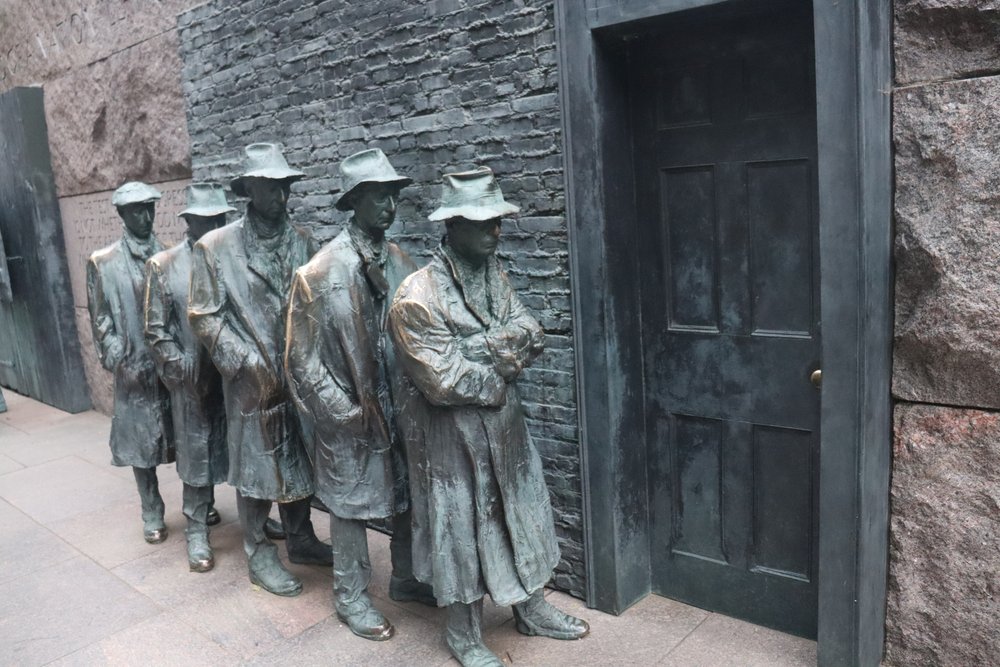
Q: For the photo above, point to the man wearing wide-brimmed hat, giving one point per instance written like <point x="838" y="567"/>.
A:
<point x="141" y="434"/>
<point x="240" y="278"/>
<point x="482" y="521"/>
<point x="342" y="373"/>
<point x="199" y="415"/>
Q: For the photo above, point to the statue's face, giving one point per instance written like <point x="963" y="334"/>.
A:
<point x="268" y="196"/>
<point x="199" y="225"/>
<point x="474" y="240"/>
<point x="138" y="218"/>
<point x="375" y="207"/>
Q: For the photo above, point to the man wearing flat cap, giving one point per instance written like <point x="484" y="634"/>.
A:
<point x="342" y="374"/>
<point x="482" y="521"/>
<point x="199" y="415"/>
<point x="141" y="433"/>
<point x="240" y="278"/>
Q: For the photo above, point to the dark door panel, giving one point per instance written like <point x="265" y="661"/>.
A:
<point x="39" y="348"/>
<point x="724" y="152"/>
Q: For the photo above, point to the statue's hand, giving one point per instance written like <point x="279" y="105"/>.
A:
<point x="374" y="423"/>
<point x="257" y="370"/>
<point x="115" y="353"/>
<point x="189" y="369"/>
<point x="505" y="357"/>
<point x="138" y="372"/>
<point x="231" y="362"/>
<point x="173" y="373"/>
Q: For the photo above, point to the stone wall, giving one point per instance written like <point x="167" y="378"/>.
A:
<point x="110" y="72"/>
<point x="944" y="590"/>
<point x="440" y="85"/>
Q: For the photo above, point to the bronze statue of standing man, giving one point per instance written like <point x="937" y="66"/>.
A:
<point x="240" y="278"/>
<point x="141" y="434"/>
<point x="342" y="374"/>
<point x="482" y="520"/>
<point x="199" y="415"/>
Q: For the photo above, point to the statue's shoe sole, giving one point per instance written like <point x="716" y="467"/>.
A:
<point x="533" y="631"/>
<point x="201" y="565"/>
<point x="155" y="536"/>
<point x="287" y="593"/>
<point x="377" y="634"/>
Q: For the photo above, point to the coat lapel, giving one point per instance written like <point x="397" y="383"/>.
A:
<point x="262" y="260"/>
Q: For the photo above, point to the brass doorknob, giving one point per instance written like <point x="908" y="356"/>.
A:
<point x="816" y="378"/>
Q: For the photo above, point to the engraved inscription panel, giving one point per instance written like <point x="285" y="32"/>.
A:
<point x="40" y="40"/>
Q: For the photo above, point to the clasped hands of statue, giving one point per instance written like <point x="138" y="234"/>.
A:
<point x="509" y="347"/>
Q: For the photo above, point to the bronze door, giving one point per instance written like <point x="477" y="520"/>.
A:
<point x="724" y="126"/>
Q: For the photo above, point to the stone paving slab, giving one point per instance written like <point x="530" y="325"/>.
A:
<point x="54" y="611"/>
<point x="79" y="586"/>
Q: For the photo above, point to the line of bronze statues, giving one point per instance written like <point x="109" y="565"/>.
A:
<point x="344" y="375"/>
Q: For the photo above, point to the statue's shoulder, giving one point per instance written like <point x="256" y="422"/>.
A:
<point x="400" y="257"/>
<point x="165" y="258"/>
<point x="106" y="254"/>
<point x="222" y="237"/>
<point x="332" y="263"/>
<point x="423" y="284"/>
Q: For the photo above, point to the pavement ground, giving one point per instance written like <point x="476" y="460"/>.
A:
<point x="79" y="586"/>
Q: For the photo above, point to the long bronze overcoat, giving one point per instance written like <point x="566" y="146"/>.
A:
<point x="199" y="414"/>
<point x="141" y="432"/>
<point x="237" y="308"/>
<point x="482" y="519"/>
<point x="341" y="368"/>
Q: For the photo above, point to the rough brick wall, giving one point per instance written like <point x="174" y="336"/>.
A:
<point x="440" y="85"/>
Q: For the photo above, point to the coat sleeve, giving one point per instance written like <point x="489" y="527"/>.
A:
<point x="166" y="351"/>
<point x="525" y="329"/>
<point x="207" y="314"/>
<point x="316" y="392"/>
<point x="431" y="358"/>
<point x="107" y="339"/>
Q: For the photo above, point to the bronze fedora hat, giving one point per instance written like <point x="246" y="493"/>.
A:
<point x="206" y="200"/>
<point x="473" y="195"/>
<point x="368" y="166"/>
<point x="135" y="192"/>
<point x="264" y="161"/>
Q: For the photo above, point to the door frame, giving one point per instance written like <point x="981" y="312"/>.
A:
<point x="854" y="162"/>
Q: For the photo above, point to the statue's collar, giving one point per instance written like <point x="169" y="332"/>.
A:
<point x="141" y="248"/>
<point x="370" y="250"/>
<point x="478" y="285"/>
<point x="264" y="230"/>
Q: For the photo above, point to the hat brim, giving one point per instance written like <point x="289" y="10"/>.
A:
<point x="401" y="181"/>
<point x="237" y="184"/>
<point x="206" y="211"/>
<point x="126" y="202"/>
<point x="474" y="212"/>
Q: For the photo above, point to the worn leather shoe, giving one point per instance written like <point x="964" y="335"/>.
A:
<point x="154" y="533"/>
<point x="200" y="558"/>
<point x="310" y="552"/>
<point x="274" y="530"/>
<point x="213" y="518"/>
<point x="411" y="590"/>
<point x="364" y="619"/>
<point x="473" y="655"/>
<point x="537" y="617"/>
<point x="267" y="571"/>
